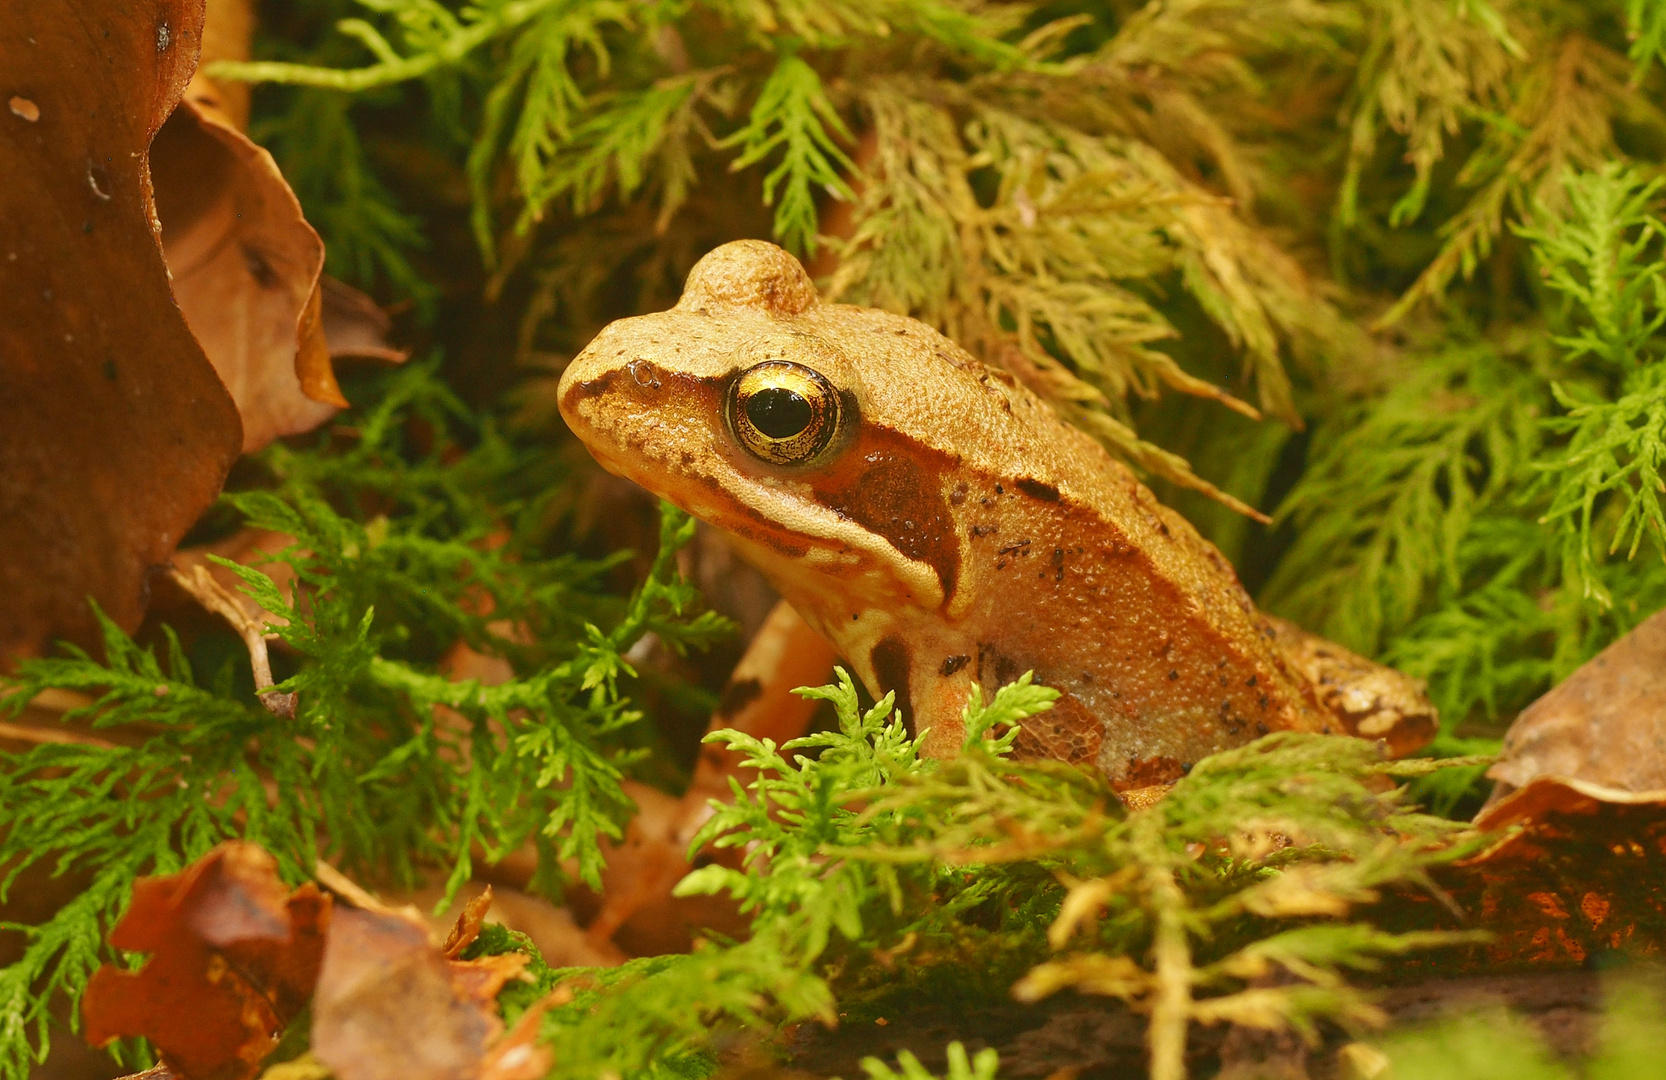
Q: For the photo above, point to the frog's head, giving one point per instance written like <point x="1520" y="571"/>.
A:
<point x="805" y="429"/>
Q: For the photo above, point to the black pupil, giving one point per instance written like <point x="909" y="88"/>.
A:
<point x="778" y="412"/>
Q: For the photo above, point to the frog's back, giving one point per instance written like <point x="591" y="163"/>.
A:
<point x="952" y="531"/>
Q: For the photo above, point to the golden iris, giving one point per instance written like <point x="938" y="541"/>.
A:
<point x="782" y="412"/>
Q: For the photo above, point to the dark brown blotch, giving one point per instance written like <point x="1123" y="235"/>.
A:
<point x="892" y="486"/>
<point x="1147" y="772"/>
<point x="892" y="663"/>
<point x="992" y="662"/>
<point x="738" y="695"/>
<point x="590" y="388"/>
<point x="953" y="664"/>
<point x="1037" y="489"/>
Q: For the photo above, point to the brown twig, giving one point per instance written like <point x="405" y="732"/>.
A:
<point x="356" y="895"/>
<point x="346" y="888"/>
<point x="223" y="602"/>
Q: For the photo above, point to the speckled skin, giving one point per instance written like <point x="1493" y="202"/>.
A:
<point x="957" y="533"/>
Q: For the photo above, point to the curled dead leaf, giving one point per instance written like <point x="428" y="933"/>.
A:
<point x="468" y="925"/>
<point x="392" y="1006"/>
<point x="354" y="326"/>
<point x="213" y="596"/>
<point x="561" y="941"/>
<point x="227" y="34"/>
<point x="234" y="956"/>
<point x="115" y="432"/>
<point x="1603" y="725"/>
<point x="636" y="909"/>
<point x="255" y="548"/>
<point x="1580" y="807"/>
<point x="1576" y="874"/>
<point x="246" y="268"/>
<point x="518" y="1055"/>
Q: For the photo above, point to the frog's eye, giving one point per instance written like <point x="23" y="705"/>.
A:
<point x="783" y="413"/>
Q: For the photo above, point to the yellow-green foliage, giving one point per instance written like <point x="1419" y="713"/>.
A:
<point x="1033" y="184"/>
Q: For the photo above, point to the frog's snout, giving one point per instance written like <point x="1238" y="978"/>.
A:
<point x="587" y="378"/>
<point x="607" y="405"/>
<point x="598" y="392"/>
<point x="629" y="410"/>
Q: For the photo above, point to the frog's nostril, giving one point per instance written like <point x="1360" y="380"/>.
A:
<point x="644" y="374"/>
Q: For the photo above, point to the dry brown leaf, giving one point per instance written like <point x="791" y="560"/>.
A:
<point x="469" y="922"/>
<point x="251" y="547"/>
<point x="235" y="956"/>
<point x="41" y="720"/>
<point x="115" y="432"/>
<point x="215" y="589"/>
<point x="214" y="597"/>
<point x="227" y="34"/>
<point x="1577" y="874"/>
<point x="1604" y="725"/>
<point x="246" y="269"/>
<point x="559" y="938"/>
<point x="480" y="979"/>
<point x="1580" y="806"/>
<point x="518" y="1055"/>
<point x="354" y="326"/>
<point x="635" y="909"/>
<point x="391" y="1006"/>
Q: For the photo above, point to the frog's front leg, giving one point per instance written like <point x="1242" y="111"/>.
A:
<point x="931" y="673"/>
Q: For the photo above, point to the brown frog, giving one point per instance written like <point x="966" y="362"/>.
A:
<point x="945" y="530"/>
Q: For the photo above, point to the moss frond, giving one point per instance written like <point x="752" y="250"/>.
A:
<point x="1559" y="118"/>
<point x="792" y="114"/>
